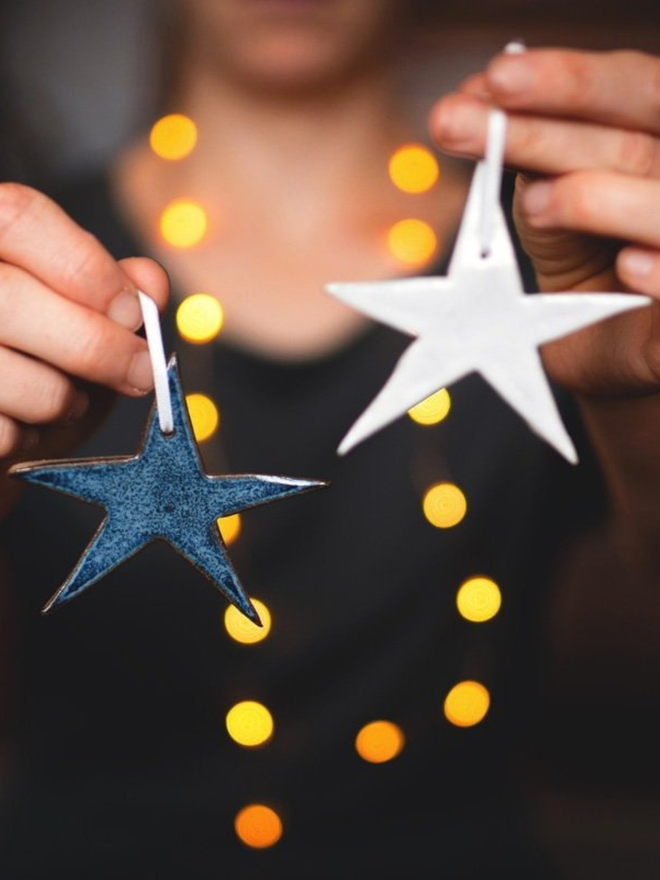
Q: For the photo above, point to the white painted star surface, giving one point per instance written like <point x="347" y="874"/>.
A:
<point x="477" y="318"/>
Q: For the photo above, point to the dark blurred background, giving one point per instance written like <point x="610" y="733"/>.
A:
<point x="84" y="73"/>
<point x="80" y="79"/>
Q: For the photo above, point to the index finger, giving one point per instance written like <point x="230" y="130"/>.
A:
<point x="40" y="238"/>
<point x="616" y="88"/>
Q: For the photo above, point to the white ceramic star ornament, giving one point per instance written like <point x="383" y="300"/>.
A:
<point x="477" y="319"/>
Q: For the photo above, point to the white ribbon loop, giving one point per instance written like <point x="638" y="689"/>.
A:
<point x="494" y="161"/>
<point x="493" y="178"/>
<point x="158" y="362"/>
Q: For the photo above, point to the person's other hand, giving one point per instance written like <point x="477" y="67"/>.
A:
<point x="584" y="127"/>
<point x="68" y="312"/>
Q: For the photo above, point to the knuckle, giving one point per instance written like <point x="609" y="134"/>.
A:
<point x="17" y="202"/>
<point x="643" y="69"/>
<point x="637" y="153"/>
<point x="84" y="261"/>
<point x="578" y="80"/>
<point x="53" y="398"/>
<point x="89" y="352"/>
<point x="528" y="139"/>
<point x="578" y="199"/>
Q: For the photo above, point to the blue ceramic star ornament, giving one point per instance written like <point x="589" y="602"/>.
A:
<point x="162" y="493"/>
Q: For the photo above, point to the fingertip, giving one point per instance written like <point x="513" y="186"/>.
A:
<point x="639" y="268"/>
<point x="509" y="77"/>
<point x="148" y="275"/>
<point x="457" y="123"/>
<point x="536" y="199"/>
<point x="140" y="376"/>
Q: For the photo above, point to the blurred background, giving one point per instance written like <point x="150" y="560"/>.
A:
<point x="85" y="73"/>
<point x="81" y="80"/>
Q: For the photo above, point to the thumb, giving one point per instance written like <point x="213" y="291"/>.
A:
<point x="149" y="277"/>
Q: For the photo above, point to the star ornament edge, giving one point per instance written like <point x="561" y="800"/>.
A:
<point x="440" y="312"/>
<point x="99" y="480"/>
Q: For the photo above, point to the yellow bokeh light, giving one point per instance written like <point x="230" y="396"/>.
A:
<point x="479" y="599"/>
<point x="230" y="527"/>
<point x="199" y="318"/>
<point x="379" y="742"/>
<point x="242" y="630"/>
<point x="203" y="415"/>
<point x="414" y="169"/>
<point x="173" y="137"/>
<point x="249" y="723"/>
<point x="432" y="410"/>
<point x="412" y="242"/>
<point x="183" y="223"/>
<point x="258" y="826"/>
<point x="467" y="703"/>
<point x="444" y="505"/>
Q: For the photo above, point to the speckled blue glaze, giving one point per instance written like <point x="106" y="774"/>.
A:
<point x="162" y="493"/>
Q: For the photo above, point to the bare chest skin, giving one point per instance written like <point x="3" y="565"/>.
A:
<point x="268" y="261"/>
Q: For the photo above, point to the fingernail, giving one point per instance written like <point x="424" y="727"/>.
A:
<point x="637" y="263"/>
<point x="140" y="374"/>
<point x="79" y="407"/>
<point x="125" y="310"/>
<point x="537" y="198"/>
<point x="511" y="75"/>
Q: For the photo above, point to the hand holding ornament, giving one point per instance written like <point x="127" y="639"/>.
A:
<point x="585" y="130"/>
<point x="67" y="315"/>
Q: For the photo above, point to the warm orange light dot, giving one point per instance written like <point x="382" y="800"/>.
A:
<point x="412" y="242"/>
<point x="258" y="826"/>
<point x="242" y="630"/>
<point x="203" y="415"/>
<point x="183" y="223"/>
<point x="230" y="527"/>
<point x="467" y="703"/>
<point x="444" y="505"/>
<point x="173" y="137"/>
<point x="379" y="742"/>
<point x="432" y="410"/>
<point x="199" y="318"/>
<point x="249" y="723"/>
<point x="479" y="599"/>
<point x="414" y="169"/>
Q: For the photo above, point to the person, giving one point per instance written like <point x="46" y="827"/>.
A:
<point x="124" y="768"/>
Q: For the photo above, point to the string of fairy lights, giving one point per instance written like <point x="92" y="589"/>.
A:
<point x="412" y="242"/>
